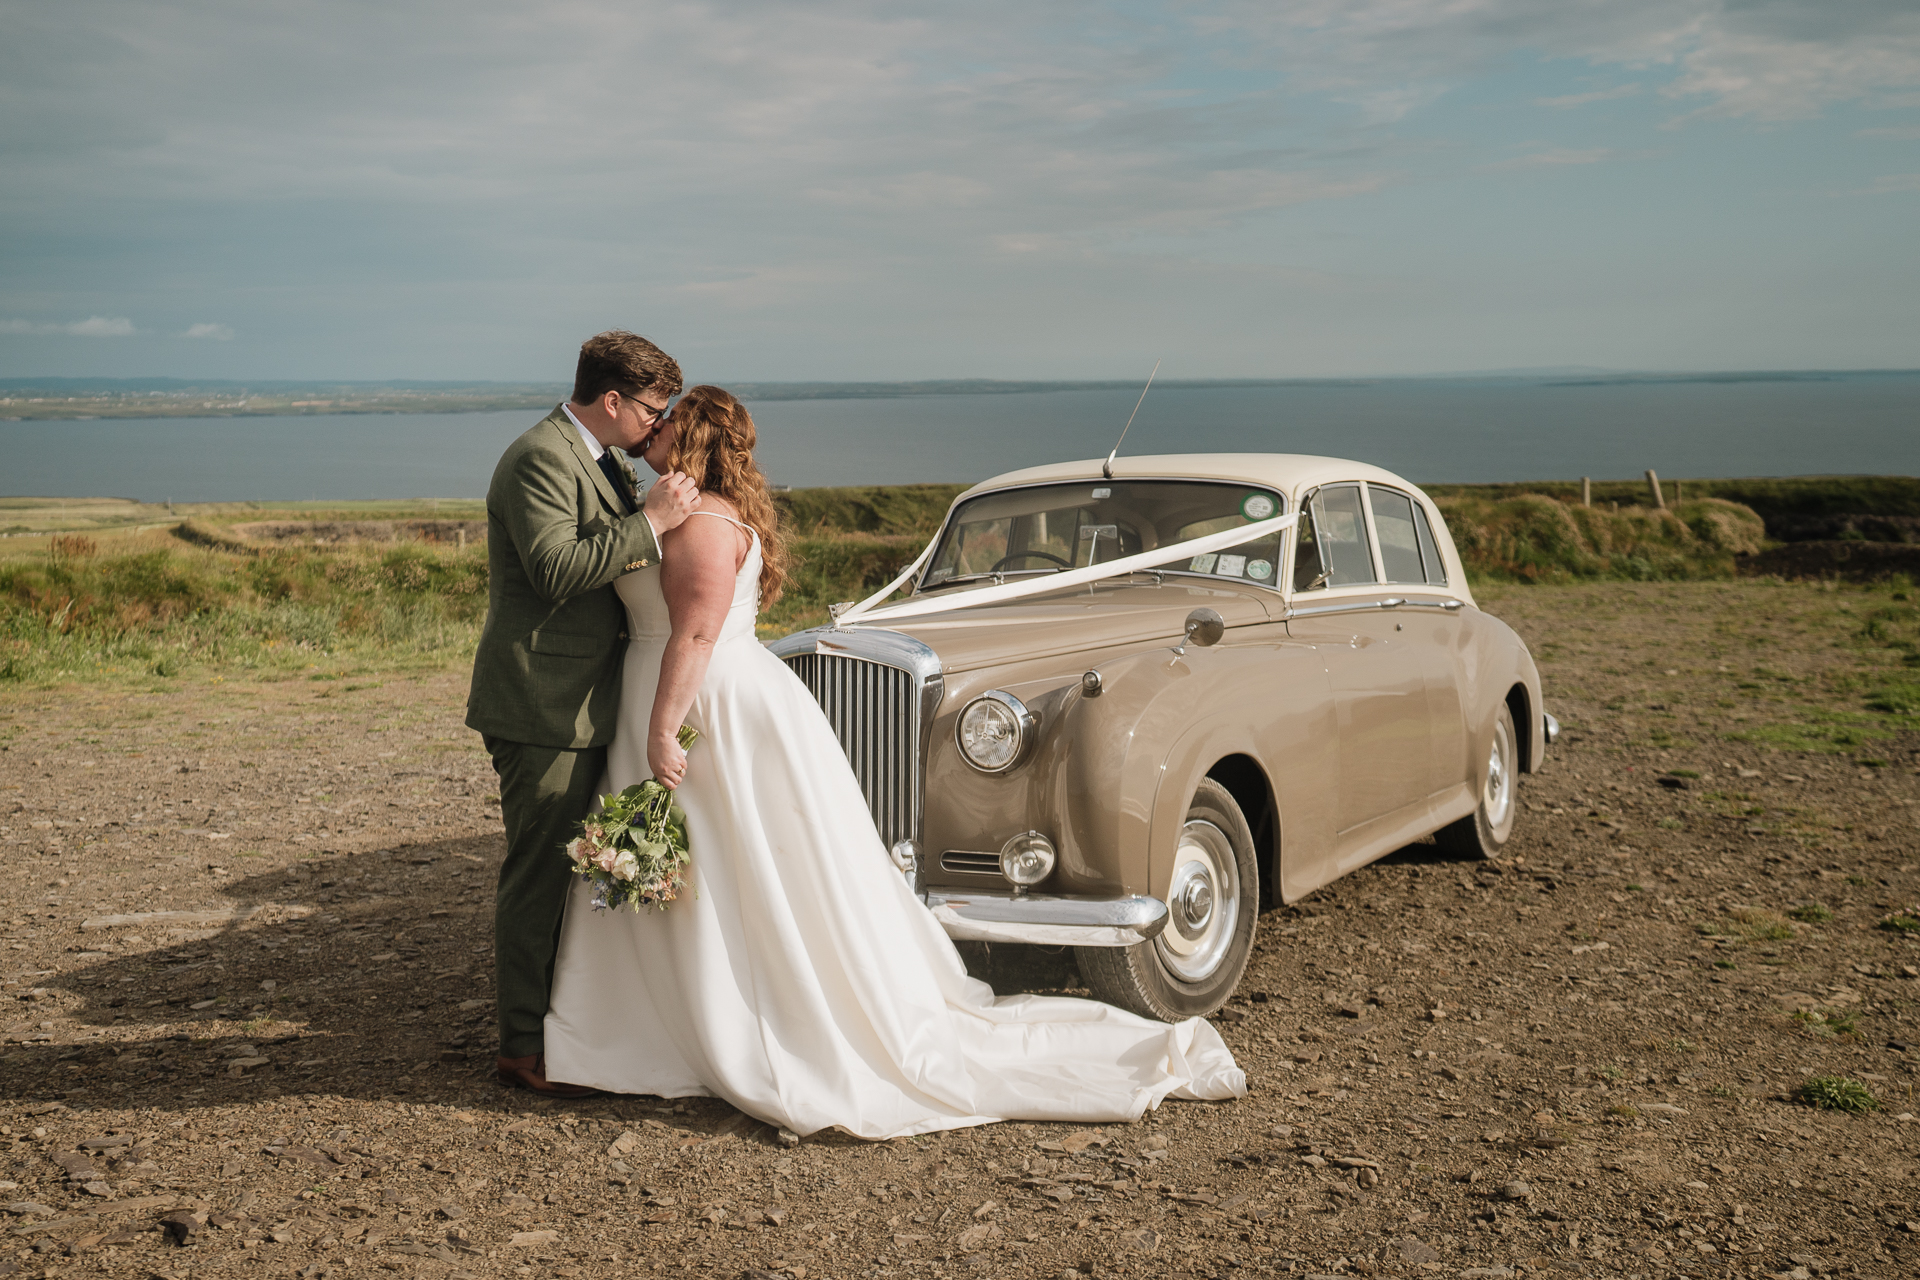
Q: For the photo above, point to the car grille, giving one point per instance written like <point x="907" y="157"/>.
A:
<point x="875" y="712"/>
<point x="973" y="864"/>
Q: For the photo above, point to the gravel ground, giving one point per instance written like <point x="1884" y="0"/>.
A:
<point x="1579" y="1061"/>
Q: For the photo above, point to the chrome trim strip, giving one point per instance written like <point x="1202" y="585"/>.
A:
<point x="875" y="644"/>
<point x="1361" y="606"/>
<point x="970" y="916"/>
<point x="1552" y="727"/>
<point x="1345" y="606"/>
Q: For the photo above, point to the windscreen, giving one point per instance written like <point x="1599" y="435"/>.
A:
<point x="1049" y="528"/>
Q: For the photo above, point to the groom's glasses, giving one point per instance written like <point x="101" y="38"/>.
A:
<point x="649" y="416"/>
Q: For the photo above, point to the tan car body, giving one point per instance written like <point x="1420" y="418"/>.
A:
<point x="1343" y="729"/>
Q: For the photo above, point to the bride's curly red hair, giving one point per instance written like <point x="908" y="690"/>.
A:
<point x="713" y="443"/>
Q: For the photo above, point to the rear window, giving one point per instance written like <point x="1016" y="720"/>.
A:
<point x="1052" y="528"/>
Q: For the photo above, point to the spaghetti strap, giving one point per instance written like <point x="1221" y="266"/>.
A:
<point x="730" y="520"/>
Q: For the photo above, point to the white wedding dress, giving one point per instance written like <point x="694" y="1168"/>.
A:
<point x="802" y="980"/>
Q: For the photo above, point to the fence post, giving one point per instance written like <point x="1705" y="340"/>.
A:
<point x="1653" y="483"/>
<point x="1586" y="491"/>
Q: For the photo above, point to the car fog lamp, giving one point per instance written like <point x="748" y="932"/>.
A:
<point x="993" y="731"/>
<point x="1027" y="859"/>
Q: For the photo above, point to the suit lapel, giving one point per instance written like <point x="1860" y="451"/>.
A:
<point x="571" y="434"/>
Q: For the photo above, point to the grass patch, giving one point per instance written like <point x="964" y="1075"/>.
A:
<point x="1904" y="921"/>
<point x="1751" y="924"/>
<point x="1811" y="913"/>
<point x="1837" y="1093"/>
<point x="1534" y="538"/>
<point x="1823" y="732"/>
<point x="1828" y="1022"/>
<point x="156" y="607"/>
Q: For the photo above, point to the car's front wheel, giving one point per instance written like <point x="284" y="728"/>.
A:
<point x="1213" y="900"/>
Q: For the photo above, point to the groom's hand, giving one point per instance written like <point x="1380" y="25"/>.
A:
<point x="671" y="501"/>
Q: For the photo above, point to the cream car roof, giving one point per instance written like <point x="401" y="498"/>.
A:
<point x="1291" y="473"/>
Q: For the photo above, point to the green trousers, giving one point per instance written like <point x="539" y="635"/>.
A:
<point x="544" y="793"/>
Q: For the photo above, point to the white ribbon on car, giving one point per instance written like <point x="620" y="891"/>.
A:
<point x="1055" y="581"/>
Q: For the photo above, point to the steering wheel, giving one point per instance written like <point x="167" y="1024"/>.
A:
<point x="1004" y="561"/>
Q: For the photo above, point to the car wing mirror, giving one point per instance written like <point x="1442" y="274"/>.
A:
<point x="1204" y="628"/>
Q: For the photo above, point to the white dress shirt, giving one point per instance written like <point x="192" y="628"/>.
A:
<point x="595" y="448"/>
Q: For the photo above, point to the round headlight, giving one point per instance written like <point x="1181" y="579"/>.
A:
<point x="1027" y="859"/>
<point x="993" y="730"/>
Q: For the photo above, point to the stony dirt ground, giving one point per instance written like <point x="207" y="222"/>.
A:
<point x="244" y="936"/>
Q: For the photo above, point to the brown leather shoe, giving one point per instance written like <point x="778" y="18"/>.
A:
<point x="530" y="1072"/>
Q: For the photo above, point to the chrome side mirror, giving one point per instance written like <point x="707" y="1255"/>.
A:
<point x="1204" y="628"/>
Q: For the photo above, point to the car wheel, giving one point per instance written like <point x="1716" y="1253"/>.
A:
<point x="1483" y="833"/>
<point x="1191" y="968"/>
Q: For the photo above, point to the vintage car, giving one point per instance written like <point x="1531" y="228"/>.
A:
<point x="1134" y="763"/>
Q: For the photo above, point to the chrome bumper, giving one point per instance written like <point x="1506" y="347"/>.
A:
<point x="1552" y="727"/>
<point x="1051" y="921"/>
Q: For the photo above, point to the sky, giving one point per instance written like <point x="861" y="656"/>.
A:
<point x="852" y="189"/>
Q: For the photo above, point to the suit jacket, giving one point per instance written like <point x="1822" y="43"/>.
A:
<point x="548" y="668"/>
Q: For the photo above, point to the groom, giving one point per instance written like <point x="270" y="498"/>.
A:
<point x="562" y="524"/>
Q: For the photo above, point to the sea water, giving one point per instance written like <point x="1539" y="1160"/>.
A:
<point x="1429" y="430"/>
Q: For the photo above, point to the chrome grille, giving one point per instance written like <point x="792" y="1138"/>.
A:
<point x="973" y="864"/>
<point x="875" y="712"/>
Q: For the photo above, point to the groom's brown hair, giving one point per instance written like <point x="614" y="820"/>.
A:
<point x="625" y="362"/>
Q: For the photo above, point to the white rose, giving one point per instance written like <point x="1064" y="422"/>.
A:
<point x="626" y="866"/>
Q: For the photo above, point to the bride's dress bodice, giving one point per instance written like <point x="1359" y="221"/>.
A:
<point x="647" y="620"/>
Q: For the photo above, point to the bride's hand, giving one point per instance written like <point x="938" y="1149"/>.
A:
<point x="666" y="759"/>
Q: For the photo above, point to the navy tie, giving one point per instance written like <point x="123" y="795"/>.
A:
<point x="619" y="479"/>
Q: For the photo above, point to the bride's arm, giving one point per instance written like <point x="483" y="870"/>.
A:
<point x="698" y="561"/>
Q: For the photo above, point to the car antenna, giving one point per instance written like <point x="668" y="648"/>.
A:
<point x="1106" y="468"/>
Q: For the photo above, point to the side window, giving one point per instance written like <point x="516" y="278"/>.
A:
<point x="1399" y="536"/>
<point x="1436" y="568"/>
<point x="1339" y="542"/>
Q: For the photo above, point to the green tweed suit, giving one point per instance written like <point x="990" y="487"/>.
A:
<point x="546" y="688"/>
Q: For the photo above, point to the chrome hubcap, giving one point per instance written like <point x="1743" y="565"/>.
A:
<point x="1497" y="796"/>
<point x="1205" y="900"/>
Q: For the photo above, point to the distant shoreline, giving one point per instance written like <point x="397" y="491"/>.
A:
<point x="85" y="399"/>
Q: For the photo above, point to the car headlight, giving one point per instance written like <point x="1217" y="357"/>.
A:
<point x="993" y="731"/>
<point x="1027" y="859"/>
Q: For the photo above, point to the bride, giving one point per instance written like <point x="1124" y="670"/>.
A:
<point x="798" y="977"/>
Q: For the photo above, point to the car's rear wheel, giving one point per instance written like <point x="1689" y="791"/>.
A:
<point x="1484" y="832"/>
<point x="1213" y="902"/>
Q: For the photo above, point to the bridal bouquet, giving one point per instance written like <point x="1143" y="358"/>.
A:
<point x="634" y="850"/>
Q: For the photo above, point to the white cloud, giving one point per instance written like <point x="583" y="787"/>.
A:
<point x="1555" y="157"/>
<point x="91" y="327"/>
<point x="1781" y="60"/>
<point x="1890" y="183"/>
<point x="1582" y="99"/>
<point x="216" y="332"/>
